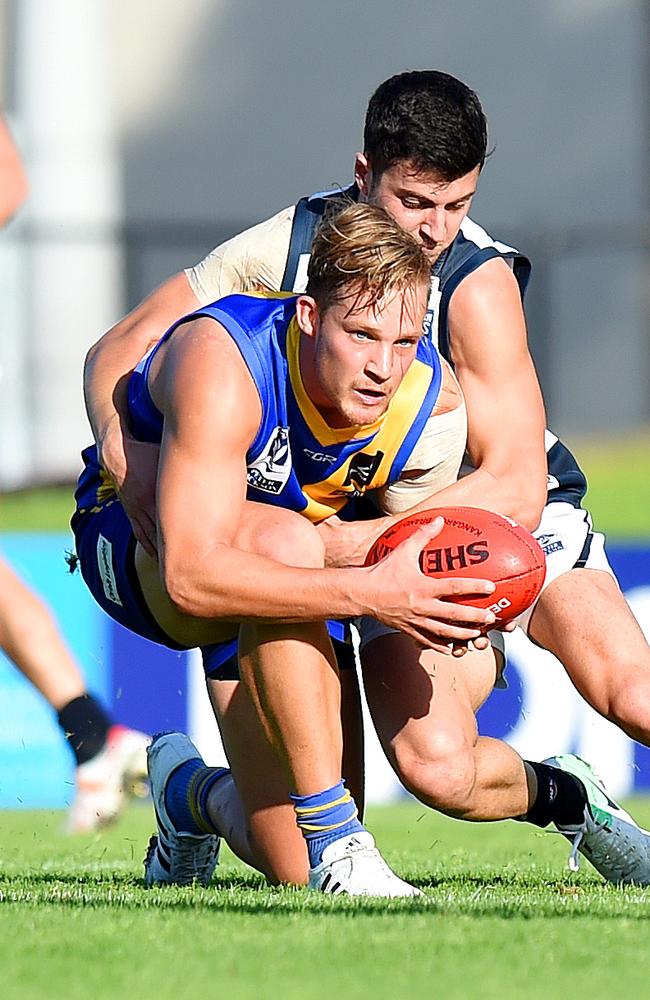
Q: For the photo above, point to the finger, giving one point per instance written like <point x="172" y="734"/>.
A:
<point x="458" y="614"/>
<point x="456" y="586"/>
<point x="445" y="631"/>
<point x="414" y="544"/>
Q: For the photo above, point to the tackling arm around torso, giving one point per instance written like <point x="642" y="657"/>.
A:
<point x="505" y="410"/>
<point x="252" y="259"/>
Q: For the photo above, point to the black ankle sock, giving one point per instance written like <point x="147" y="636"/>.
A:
<point x="561" y="798"/>
<point x="85" y="725"/>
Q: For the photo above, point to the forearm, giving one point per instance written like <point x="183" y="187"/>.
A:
<point x="229" y="584"/>
<point x="108" y="364"/>
<point x="115" y="355"/>
<point x="501" y="494"/>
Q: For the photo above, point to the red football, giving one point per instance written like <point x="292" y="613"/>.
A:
<point x="476" y="543"/>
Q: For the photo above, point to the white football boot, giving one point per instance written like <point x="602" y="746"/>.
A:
<point x="107" y="781"/>
<point x="353" y="866"/>
<point x="608" y="836"/>
<point x="174" y="857"/>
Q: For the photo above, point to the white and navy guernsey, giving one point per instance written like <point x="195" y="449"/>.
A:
<point x="472" y="247"/>
<point x="296" y="461"/>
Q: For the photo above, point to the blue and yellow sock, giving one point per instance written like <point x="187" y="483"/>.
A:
<point x="325" y="817"/>
<point x="186" y="795"/>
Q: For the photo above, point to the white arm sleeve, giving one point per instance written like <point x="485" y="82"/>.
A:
<point x="251" y="261"/>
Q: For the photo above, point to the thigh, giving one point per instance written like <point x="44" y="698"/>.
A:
<point x="261" y="783"/>
<point x="569" y="542"/>
<point x="584" y="620"/>
<point x="423" y="701"/>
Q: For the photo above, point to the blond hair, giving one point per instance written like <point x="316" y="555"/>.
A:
<point x="360" y="250"/>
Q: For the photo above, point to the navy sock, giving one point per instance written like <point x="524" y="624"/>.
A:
<point x="85" y="726"/>
<point x="325" y="817"/>
<point x="561" y="797"/>
<point x="186" y="795"/>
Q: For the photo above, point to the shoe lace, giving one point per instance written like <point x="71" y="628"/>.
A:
<point x="574" y="863"/>
<point x="194" y="860"/>
<point x="617" y="853"/>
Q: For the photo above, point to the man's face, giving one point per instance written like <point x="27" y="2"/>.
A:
<point x="353" y="358"/>
<point x="427" y="207"/>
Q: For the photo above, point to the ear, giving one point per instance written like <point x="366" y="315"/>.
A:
<point x="307" y="315"/>
<point x="362" y="174"/>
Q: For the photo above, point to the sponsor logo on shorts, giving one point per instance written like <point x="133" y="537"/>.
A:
<point x="550" y="543"/>
<point x="271" y="469"/>
<point x="106" y="572"/>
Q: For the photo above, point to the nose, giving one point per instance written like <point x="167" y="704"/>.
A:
<point x="433" y="225"/>
<point x="379" y="365"/>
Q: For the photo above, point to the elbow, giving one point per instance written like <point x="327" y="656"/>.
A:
<point x="529" y="503"/>
<point x="180" y="587"/>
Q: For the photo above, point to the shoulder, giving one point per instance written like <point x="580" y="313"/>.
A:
<point x="254" y="258"/>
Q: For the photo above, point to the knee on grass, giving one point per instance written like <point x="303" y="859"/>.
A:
<point x="441" y="773"/>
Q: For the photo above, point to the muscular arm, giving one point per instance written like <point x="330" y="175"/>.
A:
<point x="505" y="411"/>
<point x="111" y="359"/>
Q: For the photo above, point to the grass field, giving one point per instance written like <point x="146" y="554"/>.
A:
<point x="502" y="918"/>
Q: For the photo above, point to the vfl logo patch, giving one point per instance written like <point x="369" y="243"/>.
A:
<point x="550" y="543"/>
<point x="552" y="483"/>
<point x="271" y="470"/>
<point x="106" y="572"/>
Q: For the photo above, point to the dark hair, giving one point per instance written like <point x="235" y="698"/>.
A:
<point x="428" y="118"/>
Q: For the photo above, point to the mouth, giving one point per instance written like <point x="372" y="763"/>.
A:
<point x="371" y="396"/>
<point x="432" y="249"/>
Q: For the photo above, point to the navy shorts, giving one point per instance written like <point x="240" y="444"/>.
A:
<point x="105" y="546"/>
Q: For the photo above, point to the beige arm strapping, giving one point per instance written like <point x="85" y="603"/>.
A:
<point x="251" y="261"/>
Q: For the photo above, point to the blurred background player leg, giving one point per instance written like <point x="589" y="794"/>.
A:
<point x="110" y="759"/>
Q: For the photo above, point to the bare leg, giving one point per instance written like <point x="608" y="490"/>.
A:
<point x="30" y="638"/>
<point x="282" y="731"/>
<point x="353" y="747"/>
<point x="423" y="705"/>
<point x="267" y="836"/>
<point x="291" y="675"/>
<point x="257" y="819"/>
<point x="582" y="618"/>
